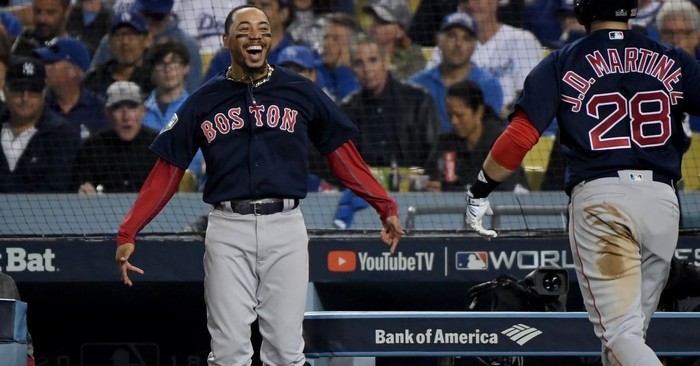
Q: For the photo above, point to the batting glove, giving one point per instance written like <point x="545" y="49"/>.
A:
<point x="476" y="209"/>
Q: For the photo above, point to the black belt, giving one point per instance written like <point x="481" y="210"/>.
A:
<point x="266" y="206"/>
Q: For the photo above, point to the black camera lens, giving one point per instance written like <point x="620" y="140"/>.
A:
<point x="551" y="282"/>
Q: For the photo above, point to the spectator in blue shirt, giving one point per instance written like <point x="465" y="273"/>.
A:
<point x="66" y="61"/>
<point x="171" y="63"/>
<point x="457" y="42"/>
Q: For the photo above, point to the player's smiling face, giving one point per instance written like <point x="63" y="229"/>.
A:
<point x="248" y="39"/>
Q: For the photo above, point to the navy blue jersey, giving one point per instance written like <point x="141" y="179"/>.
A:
<point x="254" y="139"/>
<point x="619" y="98"/>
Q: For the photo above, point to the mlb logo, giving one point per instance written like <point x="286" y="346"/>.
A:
<point x="616" y="35"/>
<point x="471" y="261"/>
<point x="636" y="177"/>
<point x="342" y="261"/>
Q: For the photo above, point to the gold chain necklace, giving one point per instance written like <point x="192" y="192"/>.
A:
<point x="254" y="83"/>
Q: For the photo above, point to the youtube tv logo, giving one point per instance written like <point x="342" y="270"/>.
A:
<point x="342" y="261"/>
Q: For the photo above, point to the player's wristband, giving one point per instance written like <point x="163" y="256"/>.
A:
<point x="483" y="185"/>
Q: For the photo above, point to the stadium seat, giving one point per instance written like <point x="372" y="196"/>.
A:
<point x="690" y="167"/>
<point x="188" y="183"/>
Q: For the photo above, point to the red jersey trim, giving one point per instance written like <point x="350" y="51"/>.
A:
<point x="347" y="164"/>
<point x="157" y="190"/>
<point x="520" y="136"/>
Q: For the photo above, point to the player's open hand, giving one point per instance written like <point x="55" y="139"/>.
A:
<point x="392" y="232"/>
<point x="476" y="209"/>
<point x="124" y="251"/>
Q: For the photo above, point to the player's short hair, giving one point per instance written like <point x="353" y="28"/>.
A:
<point x="229" y="18"/>
<point x="161" y="49"/>
<point x="587" y="11"/>
<point x="678" y="9"/>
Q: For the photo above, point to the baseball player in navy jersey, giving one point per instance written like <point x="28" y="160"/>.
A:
<point x="253" y="122"/>
<point x="620" y="99"/>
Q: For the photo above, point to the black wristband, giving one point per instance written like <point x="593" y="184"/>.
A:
<point x="483" y="185"/>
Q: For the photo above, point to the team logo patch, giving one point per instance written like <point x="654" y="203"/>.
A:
<point x="636" y="177"/>
<point x="616" y="35"/>
<point x="170" y="124"/>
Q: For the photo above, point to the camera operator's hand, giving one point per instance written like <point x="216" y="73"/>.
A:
<point x="476" y="209"/>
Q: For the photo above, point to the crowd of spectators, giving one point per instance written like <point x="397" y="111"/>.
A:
<point x="390" y="64"/>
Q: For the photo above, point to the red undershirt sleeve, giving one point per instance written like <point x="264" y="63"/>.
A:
<point x="159" y="187"/>
<point x="519" y="137"/>
<point x="347" y="164"/>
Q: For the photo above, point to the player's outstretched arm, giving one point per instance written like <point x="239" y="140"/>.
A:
<point x="347" y="164"/>
<point x="159" y="187"/>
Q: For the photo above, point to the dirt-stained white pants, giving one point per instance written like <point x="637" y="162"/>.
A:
<point x="623" y="233"/>
<point x="256" y="266"/>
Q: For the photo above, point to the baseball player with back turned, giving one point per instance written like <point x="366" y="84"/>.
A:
<point x="253" y="122"/>
<point x="619" y="98"/>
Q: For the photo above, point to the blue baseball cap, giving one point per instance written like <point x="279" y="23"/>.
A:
<point x="298" y="55"/>
<point x="65" y="48"/>
<point x="153" y="6"/>
<point x="459" y="20"/>
<point x="13" y="25"/>
<point x="132" y="19"/>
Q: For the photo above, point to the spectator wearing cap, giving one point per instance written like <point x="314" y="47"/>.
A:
<point x="171" y="63"/>
<point x="49" y="17"/>
<point x="279" y="14"/>
<point x="162" y="25"/>
<point x="335" y="74"/>
<point x="37" y="145"/>
<point x="89" y="21"/>
<point x="390" y="22"/>
<point x="66" y="61"/>
<point x="118" y="159"/>
<point x="128" y="41"/>
<point x="299" y="59"/>
<point x="456" y="40"/>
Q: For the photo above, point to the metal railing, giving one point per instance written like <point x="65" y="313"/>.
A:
<point x="498" y="212"/>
